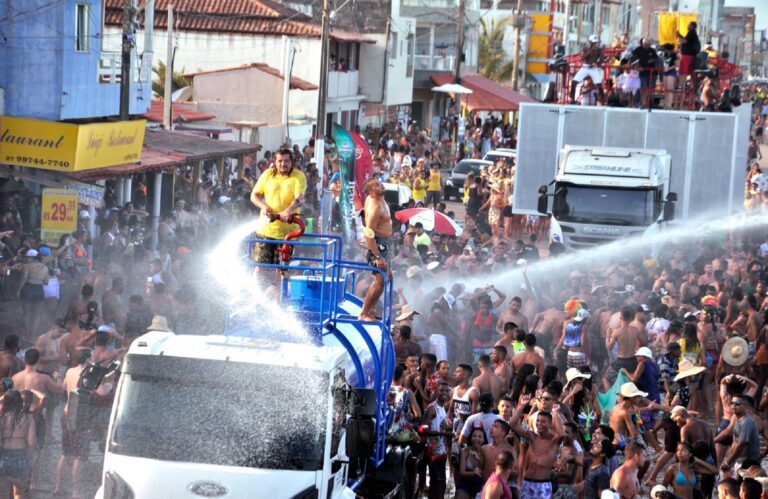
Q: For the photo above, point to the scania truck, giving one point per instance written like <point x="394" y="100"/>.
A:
<point x="618" y="172"/>
<point x="251" y="412"/>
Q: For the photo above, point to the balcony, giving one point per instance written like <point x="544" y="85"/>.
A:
<point x="434" y="63"/>
<point x="342" y="84"/>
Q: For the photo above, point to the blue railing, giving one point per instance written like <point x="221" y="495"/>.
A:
<point x="318" y="258"/>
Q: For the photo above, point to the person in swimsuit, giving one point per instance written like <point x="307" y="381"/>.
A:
<point x="574" y="339"/>
<point x="682" y="476"/>
<point x="17" y="434"/>
<point x="497" y="486"/>
<point x="469" y="475"/>
<point x="377" y="233"/>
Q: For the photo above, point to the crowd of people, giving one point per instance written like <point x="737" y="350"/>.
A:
<point x="646" y="371"/>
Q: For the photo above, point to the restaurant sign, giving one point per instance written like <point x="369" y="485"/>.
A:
<point x="66" y="147"/>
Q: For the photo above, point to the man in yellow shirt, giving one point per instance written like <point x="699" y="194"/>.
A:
<point x="434" y="186"/>
<point x="278" y="193"/>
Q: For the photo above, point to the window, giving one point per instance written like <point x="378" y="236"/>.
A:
<point x="81" y="27"/>
<point x="393" y="45"/>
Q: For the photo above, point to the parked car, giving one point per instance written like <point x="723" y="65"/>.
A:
<point x="508" y="155"/>
<point x="454" y="186"/>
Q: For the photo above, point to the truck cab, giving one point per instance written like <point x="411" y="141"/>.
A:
<point x="602" y="194"/>
<point x="249" y="413"/>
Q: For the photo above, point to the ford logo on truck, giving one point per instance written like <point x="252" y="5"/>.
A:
<point x="207" y="489"/>
<point x="601" y="231"/>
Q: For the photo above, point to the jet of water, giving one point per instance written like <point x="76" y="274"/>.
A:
<point x="558" y="269"/>
<point x="243" y="293"/>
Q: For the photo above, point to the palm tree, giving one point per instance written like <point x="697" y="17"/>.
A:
<point x="492" y="62"/>
<point x="178" y="80"/>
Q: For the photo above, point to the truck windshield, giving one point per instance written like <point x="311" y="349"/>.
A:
<point x="221" y="413"/>
<point x="606" y="205"/>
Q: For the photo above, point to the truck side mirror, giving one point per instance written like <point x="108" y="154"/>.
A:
<point x="542" y="205"/>
<point x="672" y="196"/>
<point x="360" y="439"/>
<point x="669" y="211"/>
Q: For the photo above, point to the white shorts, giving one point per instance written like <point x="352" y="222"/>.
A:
<point x="595" y="73"/>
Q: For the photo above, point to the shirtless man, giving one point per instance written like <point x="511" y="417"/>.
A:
<point x="513" y="314"/>
<point x="79" y="305"/>
<point x="529" y="356"/>
<point x="629" y="339"/>
<point x="9" y="363"/>
<point x="112" y="308"/>
<point x="48" y="345"/>
<point x="411" y="371"/>
<point x="749" y="322"/>
<point x="535" y="479"/>
<point x="499" y="431"/>
<point x="624" y="480"/>
<point x="377" y="232"/>
<point x="494" y="204"/>
<point x="501" y="366"/>
<point x="68" y="346"/>
<point x="488" y="381"/>
<point x="99" y="341"/>
<point x="549" y="324"/>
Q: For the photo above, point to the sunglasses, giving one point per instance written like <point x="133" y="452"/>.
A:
<point x="737" y="404"/>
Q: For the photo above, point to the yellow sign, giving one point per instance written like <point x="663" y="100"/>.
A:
<point x="59" y="214"/>
<point x="672" y="23"/>
<point x="66" y="147"/>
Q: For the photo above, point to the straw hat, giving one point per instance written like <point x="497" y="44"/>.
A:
<point x="629" y="390"/>
<point x="406" y="312"/>
<point x="687" y="368"/>
<point x="159" y="323"/>
<point x="412" y="271"/>
<point x="735" y="351"/>
<point x="573" y="373"/>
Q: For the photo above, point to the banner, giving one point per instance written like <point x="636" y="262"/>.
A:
<point x="668" y="28"/>
<point x="345" y="148"/>
<point x="66" y="147"/>
<point x="363" y="169"/>
<point x="87" y="194"/>
<point x="58" y="215"/>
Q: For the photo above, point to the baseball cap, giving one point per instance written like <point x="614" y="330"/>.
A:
<point x="593" y="39"/>
<point x="84" y="214"/>
<point x="581" y="315"/>
<point x="32" y="253"/>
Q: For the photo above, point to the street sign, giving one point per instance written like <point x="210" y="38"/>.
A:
<point x="58" y="214"/>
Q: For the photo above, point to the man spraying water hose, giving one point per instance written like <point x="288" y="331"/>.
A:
<point x="278" y="194"/>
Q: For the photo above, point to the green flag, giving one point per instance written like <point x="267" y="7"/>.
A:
<point x="345" y="148"/>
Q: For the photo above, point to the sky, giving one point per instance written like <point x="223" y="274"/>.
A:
<point x="761" y="10"/>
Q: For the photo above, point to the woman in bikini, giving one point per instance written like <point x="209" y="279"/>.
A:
<point x="17" y="443"/>
<point x="469" y="475"/>
<point x="682" y="476"/>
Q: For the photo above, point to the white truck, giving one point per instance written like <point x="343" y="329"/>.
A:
<point x="612" y="171"/>
<point x="254" y="413"/>
<point x="607" y="193"/>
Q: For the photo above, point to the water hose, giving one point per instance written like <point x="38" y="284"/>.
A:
<point x="286" y="250"/>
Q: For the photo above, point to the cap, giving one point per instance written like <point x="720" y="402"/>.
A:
<point x="593" y="39"/>
<point x="44" y="250"/>
<point x="581" y="315"/>
<point x="433" y="265"/>
<point x="84" y="214"/>
<point x="32" y="253"/>
<point x="103" y="329"/>
<point x="644" y="352"/>
<point x="658" y="489"/>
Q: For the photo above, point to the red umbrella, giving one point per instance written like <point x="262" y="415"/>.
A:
<point x="430" y="219"/>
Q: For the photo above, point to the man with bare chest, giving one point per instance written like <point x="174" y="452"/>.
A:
<point x="624" y="480"/>
<point x="513" y="314"/>
<point x="541" y="455"/>
<point x="377" y="233"/>
<point x="629" y="339"/>
<point x="9" y="363"/>
<point x="30" y="379"/>
<point x="488" y="381"/>
<point x="501" y="366"/>
<point x="548" y="324"/>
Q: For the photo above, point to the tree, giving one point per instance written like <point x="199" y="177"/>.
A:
<point x="178" y="80"/>
<point x="492" y="62"/>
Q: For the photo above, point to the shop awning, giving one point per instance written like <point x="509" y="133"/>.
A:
<point x="487" y="95"/>
<point x="166" y="150"/>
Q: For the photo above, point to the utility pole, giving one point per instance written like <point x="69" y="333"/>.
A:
<point x="322" y="91"/>
<point x="518" y="21"/>
<point x="125" y="63"/>
<point x="168" y="93"/>
<point x="459" y="51"/>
